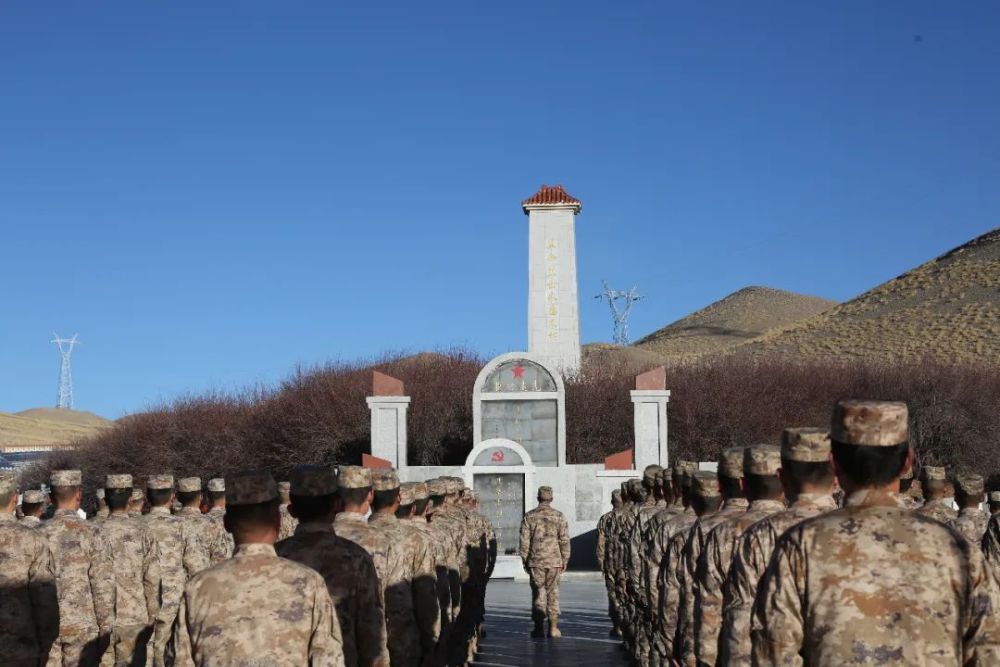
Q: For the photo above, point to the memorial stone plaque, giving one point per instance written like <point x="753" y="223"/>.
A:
<point x="501" y="499"/>
<point x="533" y="424"/>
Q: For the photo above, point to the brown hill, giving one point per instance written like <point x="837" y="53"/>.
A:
<point x="739" y="317"/>
<point x="947" y="309"/>
<point x="47" y="426"/>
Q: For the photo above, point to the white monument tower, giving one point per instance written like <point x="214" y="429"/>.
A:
<point x="553" y="309"/>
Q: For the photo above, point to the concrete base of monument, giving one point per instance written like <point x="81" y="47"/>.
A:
<point x="509" y="567"/>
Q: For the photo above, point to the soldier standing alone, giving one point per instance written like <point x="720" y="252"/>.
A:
<point x="545" y="554"/>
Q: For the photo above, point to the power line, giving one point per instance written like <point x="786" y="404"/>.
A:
<point x="66" y="345"/>
<point x="620" y="302"/>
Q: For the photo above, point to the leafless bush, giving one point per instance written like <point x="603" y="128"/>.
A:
<point x="320" y="414"/>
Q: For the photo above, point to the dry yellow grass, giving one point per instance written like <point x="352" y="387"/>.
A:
<point x="42" y="427"/>
<point x="947" y="309"/>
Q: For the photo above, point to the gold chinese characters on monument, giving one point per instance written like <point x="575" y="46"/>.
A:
<point x="552" y="291"/>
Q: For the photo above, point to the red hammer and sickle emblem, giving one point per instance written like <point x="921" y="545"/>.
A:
<point x="497" y="456"/>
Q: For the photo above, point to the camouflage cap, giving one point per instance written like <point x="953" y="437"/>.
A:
<point x="870" y="423"/>
<point x="651" y="473"/>
<point x="251" y="487"/>
<point x="705" y="484"/>
<point x="8" y="482"/>
<point x="138" y="495"/>
<point x="189" y="484"/>
<point x="545" y="493"/>
<point x="805" y="445"/>
<point x="970" y="483"/>
<point x="995" y="496"/>
<point x="118" y="482"/>
<point x="731" y="462"/>
<point x="933" y="474"/>
<point x="616" y="496"/>
<point x="160" y="482"/>
<point x="216" y="485"/>
<point x="762" y="460"/>
<point x="33" y="496"/>
<point x="437" y="487"/>
<point x="452" y="486"/>
<point x="99" y="494"/>
<point x="284" y="487"/>
<point x="469" y="494"/>
<point x="312" y="481"/>
<point x="66" y="478"/>
<point x="420" y="491"/>
<point x="634" y="486"/>
<point x="385" y="480"/>
<point x="406" y="493"/>
<point x="354" y="477"/>
<point x="907" y="474"/>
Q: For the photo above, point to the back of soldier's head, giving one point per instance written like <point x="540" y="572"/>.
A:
<point x="160" y="490"/>
<point x="252" y="505"/>
<point x="66" y="487"/>
<point x="805" y="460"/>
<point x="761" y="464"/>
<point x="354" y="485"/>
<point x="312" y="492"/>
<point x="970" y="488"/>
<point x="934" y="480"/>
<point x="870" y="442"/>
<point x="33" y="503"/>
<point x="385" y="484"/>
<point x="705" y="494"/>
<point x="994" y="501"/>
<point x="118" y="491"/>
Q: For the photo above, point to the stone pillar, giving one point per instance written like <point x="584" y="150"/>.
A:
<point x="650" y="399"/>
<point x="388" y="406"/>
<point x="553" y="311"/>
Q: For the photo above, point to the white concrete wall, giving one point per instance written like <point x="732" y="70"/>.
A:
<point x="554" y="337"/>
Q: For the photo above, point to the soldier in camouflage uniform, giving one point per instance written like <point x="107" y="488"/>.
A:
<point x="462" y="641"/>
<point x="730" y="476"/>
<point x="29" y="608"/>
<point x="807" y="477"/>
<point x="136" y="564"/>
<point x="83" y="574"/>
<point x="607" y="557"/>
<point x="32" y="508"/>
<point x="631" y="611"/>
<point x="653" y="542"/>
<point x="450" y="533"/>
<point x="652" y="504"/>
<point x="210" y="536"/>
<point x="485" y="554"/>
<point x="411" y="603"/>
<point x="216" y="489"/>
<point x="545" y="555"/>
<point x="937" y="503"/>
<point x="180" y="556"/>
<point x="288" y="522"/>
<point x="347" y="568"/>
<point x="701" y="488"/>
<point x="136" y="503"/>
<point x="993" y="502"/>
<point x="255" y="608"/>
<point x="102" y="507"/>
<point x="874" y="583"/>
<point x="971" y="521"/>
<point x="764" y="491"/>
<point x="907" y="490"/>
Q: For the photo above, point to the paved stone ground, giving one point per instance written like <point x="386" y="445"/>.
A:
<point x="584" y="624"/>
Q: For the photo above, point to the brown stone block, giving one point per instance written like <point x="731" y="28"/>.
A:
<point x="386" y="385"/>
<point x="655" y="379"/>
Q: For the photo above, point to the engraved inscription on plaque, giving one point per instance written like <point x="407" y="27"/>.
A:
<point x="501" y="499"/>
<point x="533" y="424"/>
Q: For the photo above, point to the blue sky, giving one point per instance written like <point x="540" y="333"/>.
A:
<point x="213" y="192"/>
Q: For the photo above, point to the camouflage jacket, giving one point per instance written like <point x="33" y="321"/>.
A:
<point x="874" y="583"/>
<point x="991" y="544"/>
<point x="750" y="559"/>
<point x="256" y="609"/>
<point x="136" y="563"/>
<point x="654" y="541"/>
<point x="971" y="524"/>
<point x="29" y="607"/>
<point x="713" y="566"/>
<point x="604" y="541"/>
<point x="218" y="515"/>
<point x="288" y="523"/>
<point x="544" y="537"/>
<point x="30" y="521"/>
<point x="665" y="594"/>
<point x="450" y="537"/>
<point x="939" y="509"/>
<point x="413" y="617"/>
<point x="462" y="536"/>
<point x="684" y="634"/>
<point x="352" y="582"/>
<point x="179" y="554"/>
<point x="640" y="533"/>
<point x="444" y="569"/>
<point x="83" y="572"/>
<point x="210" y="540"/>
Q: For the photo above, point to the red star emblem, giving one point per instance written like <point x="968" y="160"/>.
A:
<point x="518" y="372"/>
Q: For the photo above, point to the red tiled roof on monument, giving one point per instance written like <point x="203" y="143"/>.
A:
<point x="552" y="195"/>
